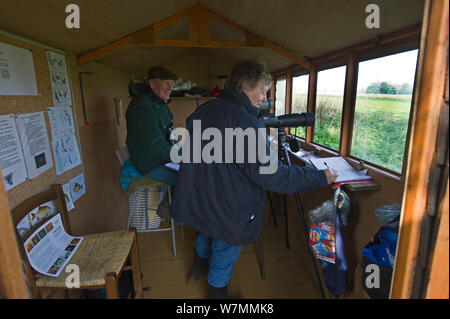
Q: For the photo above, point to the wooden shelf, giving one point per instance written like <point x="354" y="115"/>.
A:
<point x="360" y="187"/>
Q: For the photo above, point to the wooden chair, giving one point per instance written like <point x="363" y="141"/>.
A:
<point x="101" y="257"/>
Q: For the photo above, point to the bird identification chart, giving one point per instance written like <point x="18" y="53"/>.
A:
<point x="64" y="142"/>
<point x="59" y="79"/>
<point x="35" y="143"/>
<point x="12" y="162"/>
<point x="77" y="187"/>
<point x="50" y="248"/>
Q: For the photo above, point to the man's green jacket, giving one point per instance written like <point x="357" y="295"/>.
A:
<point x="148" y="121"/>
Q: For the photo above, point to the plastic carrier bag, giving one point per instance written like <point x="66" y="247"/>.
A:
<point x="322" y="235"/>
<point x="326" y="222"/>
<point x="322" y="232"/>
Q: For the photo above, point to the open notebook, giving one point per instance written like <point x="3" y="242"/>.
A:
<point x="346" y="172"/>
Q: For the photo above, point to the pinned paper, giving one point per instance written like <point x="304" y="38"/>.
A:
<point x="35" y="144"/>
<point x="12" y="162"/>
<point x="17" y="76"/>
<point x="61" y="121"/>
<point x="77" y="187"/>
<point x="68" y="197"/>
<point x="59" y="78"/>
<point x="67" y="155"/>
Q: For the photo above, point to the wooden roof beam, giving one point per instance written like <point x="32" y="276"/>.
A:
<point x="199" y="36"/>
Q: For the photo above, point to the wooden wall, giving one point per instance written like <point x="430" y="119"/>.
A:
<point x="104" y="207"/>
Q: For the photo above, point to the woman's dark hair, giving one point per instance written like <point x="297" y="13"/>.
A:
<point x="249" y="72"/>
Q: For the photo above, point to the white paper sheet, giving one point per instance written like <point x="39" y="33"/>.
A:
<point x="50" y="248"/>
<point x="35" y="143"/>
<point x="68" y="197"/>
<point x="61" y="121"/>
<point x="67" y="155"/>
<point x="64" y="142"/>
<point x="77" y="187"/>
<point x="346" y="171"/>
<point x="12" y="162"/>
<point x="17" y="76"/>
<point x="59" y="79"/>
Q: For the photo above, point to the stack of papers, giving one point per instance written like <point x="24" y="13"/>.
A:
<point x="346" y="172"/>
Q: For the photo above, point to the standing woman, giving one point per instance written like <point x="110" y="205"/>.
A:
<point x="225" y="200"/>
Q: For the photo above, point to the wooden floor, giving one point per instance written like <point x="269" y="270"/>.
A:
<point x="285" y="277"/>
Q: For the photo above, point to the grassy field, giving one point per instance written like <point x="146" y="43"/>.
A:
<point x="379" y="132"/>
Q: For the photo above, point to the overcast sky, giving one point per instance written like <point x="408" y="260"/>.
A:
<point x="396" y="69"/>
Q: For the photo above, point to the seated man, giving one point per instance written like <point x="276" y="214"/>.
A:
<point x="149" y="125"/>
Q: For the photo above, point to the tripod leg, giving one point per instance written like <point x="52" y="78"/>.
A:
<point x="305" y="229"/>
<point x="261" y="256"/>
<point x="286" y="220"/>
<point x="272" y="210"/>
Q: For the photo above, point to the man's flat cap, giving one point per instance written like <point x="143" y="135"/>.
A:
<point x="159" y="72"/>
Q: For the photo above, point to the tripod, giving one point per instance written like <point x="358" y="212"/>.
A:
<point x="284" y="156"/>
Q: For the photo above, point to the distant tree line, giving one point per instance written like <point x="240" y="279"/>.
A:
<point x="388" y="88"/>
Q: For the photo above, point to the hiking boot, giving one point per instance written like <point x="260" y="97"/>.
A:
<point x="199" y="268"/>
<point x="221" y="293"/>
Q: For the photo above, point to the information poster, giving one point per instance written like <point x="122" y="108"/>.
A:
<point x="12" y="162"/>
<point x="35" y="143"/>
<point x="64" y="142"/>
<point x="50" y="248"/>
<point x="17" y="75"/>
<point x="67" y="155"/>
<point x="35" y="216"/>
<point x="59" y="79"/>
<point x="77" y="187"/>
<point x="61" y="121"/>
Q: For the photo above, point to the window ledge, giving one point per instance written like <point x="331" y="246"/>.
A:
<point x="321" y="151"/>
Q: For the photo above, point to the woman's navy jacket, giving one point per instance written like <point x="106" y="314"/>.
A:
<point x="226" y="200"/>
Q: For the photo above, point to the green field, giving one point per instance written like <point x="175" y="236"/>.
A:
<point x="379" y="132"/>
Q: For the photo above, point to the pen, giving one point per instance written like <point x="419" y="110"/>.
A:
<point x="326" y="165"/>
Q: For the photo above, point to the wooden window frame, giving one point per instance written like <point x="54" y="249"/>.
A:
<point x="313" y="107"/>
<point x="295" y="73"/>
<point x="384" y="45"/>
<point x="275" y="77"/>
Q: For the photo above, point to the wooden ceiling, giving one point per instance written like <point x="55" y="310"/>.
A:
<point x="295" y="29"/>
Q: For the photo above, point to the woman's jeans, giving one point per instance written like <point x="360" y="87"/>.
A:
<point x="222" y="258"/>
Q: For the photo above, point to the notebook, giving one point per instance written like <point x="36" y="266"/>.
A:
<point x="346" y="172"/>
